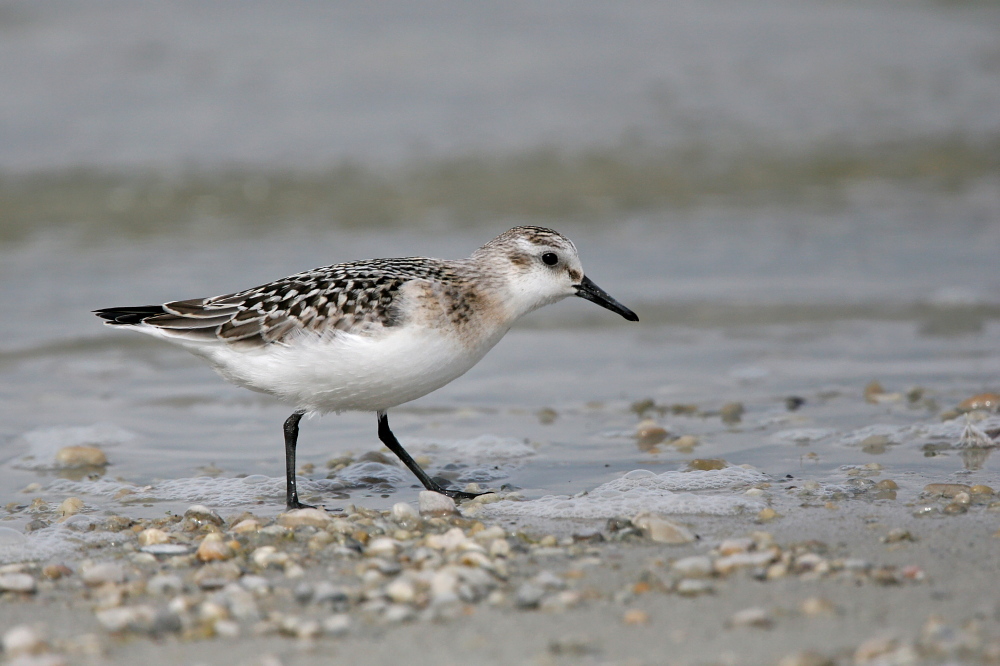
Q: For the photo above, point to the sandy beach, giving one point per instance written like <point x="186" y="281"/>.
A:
<point x="850" y="581"/>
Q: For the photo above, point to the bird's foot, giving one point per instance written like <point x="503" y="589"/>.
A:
<point x="458" y="494"/>
<point x="296" y="504"/>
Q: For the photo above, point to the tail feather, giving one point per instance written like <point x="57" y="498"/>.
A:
<point x="129" y="316"/>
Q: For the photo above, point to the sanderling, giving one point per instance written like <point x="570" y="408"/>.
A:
<point x="371" y="335"/>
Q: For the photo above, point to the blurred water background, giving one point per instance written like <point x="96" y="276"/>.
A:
<point x="796" y="196"/>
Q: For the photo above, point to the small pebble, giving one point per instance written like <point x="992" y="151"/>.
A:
<point x="733" y="546"/>
<point x="305" y="517"/>
<point x="946" y="489"/>
<point x="210" y="611"/>
<point x="226" y="629"/>
<point x="873" y="391"/>
<point x="898" y="534"/>
<point x="528" y="595"/>
<point x="767" y="515"/>
<point x="499" y="548"/>
<point x="561" y="601"/>
<point x="887" y="484"/>
<point x="23" y="639"/>
<point x="732" y="412"/>
<point x="401" y="591"/>
<point x="817" y="606"/>
<point x="691" y="587"/>
<point x="80" y="456"/>
<point x="242" y="605"/>
<point x="548" y="580"/>
<point x="246" y="526"/>
<point x="151" y="536"/>
<point x="404" y="513"/>
<point x="662" y="530"/>
<point x="164" y="584"/>
<point x="70" y="506"/>
<point x="397" y="613"/>
<point x="436" y="504"/>
<point x="202" y="515"/>
<point x="707" y="464"/>
<point x="262" y="586"/>
<point x="874" y="648"/>
<point x="118" y="523"/>
<point x="547" y="415"/>
<point x="635" y="616"/>
<point x="649" y="433"/>
<point x="989" y="402"/>
<point x="17" y="582"/>
<point x="752" y="617"/>
<point x="215" y="575"/>
<point x="696" y="566"/>
<point x="726" y="565"/>
<point x="336" y="625"/>
<point x="56" y="571"/>
<point x="981" y="489"/>
<point x="444" y="584"/>
<point x="102" y="572"/>
<point x="166" y="549"/>
<point x="792" y="403"/>
<point x="213" y="548"/>
<point x="382" y="547"/>
<point x="776" y="571"/>
<point x="685" y="443"/>
<point x="128" y="618"/>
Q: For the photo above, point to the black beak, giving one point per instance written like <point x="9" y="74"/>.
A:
<point x="587" y="289"/>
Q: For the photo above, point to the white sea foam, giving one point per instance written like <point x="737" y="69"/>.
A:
<point x="371" y="473"/>
<point x="894" y="433"/>
<point x="482" y="449"/>
<point x="481" y="459"/>
<point x="803" y="435"/>
<point x="215" y="492"/>
<point x="642" y="490"/>
<point x="960" y="432"/>
<point x="53" y="541"/>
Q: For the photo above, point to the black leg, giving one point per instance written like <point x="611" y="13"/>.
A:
<point x="390" y="440"/>
<point x="291" y="437"/>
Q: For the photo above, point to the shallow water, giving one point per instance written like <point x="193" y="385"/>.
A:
<point x="794" y="211"/>
<point x="166" y="417"/>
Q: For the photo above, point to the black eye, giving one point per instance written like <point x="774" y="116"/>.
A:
<point x="550" y="258"/>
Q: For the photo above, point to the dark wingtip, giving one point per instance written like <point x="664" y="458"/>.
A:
<point x="129" y="316"/>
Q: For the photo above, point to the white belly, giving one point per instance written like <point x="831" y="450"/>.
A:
<point x="349" y="371"/>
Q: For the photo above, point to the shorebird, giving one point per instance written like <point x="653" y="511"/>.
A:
<point x="371" y="335"/>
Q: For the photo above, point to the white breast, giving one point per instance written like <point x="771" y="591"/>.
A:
<point x="349" y="371"/>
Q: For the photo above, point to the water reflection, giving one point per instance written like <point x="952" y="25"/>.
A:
<point x="974" y="459"/>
